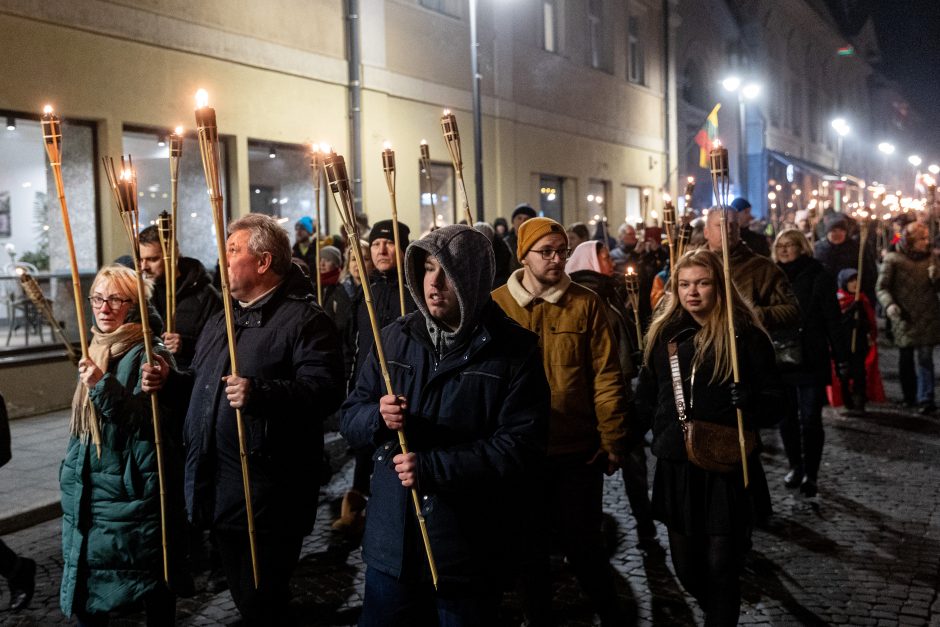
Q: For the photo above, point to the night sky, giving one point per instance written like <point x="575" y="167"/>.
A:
<point x="909" y="37"/>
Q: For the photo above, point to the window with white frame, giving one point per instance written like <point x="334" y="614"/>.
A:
<point x="598" y="36"/>
<point x="550" y="25"/>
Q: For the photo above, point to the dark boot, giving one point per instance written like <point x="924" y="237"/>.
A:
<point x="22" y="584"/>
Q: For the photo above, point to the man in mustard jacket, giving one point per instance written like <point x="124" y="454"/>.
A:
<point x="587" y="427"/>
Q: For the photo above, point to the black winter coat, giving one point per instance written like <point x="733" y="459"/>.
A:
<point x="290" y="350"/>
<point x="845" y="255"/>
<point x="196" y="302"/>
<point x="655" y="403"/>
<point x="820" y="327"/>
<point x="387" y="309"/>
<point x="477" y="419"/>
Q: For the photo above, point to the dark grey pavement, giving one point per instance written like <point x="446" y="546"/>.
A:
<point x="866" y="551"/>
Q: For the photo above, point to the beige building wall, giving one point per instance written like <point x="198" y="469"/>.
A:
<point x="277" y="72"/>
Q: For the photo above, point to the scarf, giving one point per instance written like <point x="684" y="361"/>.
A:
<point x="103" y="347"/>
<point x="330" y="278"/>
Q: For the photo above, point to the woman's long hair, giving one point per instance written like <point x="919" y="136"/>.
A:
<point x="713" y="336"/>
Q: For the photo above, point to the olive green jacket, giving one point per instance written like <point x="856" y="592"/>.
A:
<point x="905" y="282"/>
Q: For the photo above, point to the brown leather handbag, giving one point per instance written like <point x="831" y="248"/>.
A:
<point x="708" y="445"/>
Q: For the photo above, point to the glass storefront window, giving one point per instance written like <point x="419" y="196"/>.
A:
<point x="443" y="188"/>
<point x="31" y="228"/>
<point x="550" y="197"/>
<point x="281" y="183"/>
<point x="151" y="154"/>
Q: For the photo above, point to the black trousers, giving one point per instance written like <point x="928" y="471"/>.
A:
<point x="802" y="428"/>
<point x="7" y="560"/>
<point x="709" y="568"/>
<point x="277" y="557"/>
<point x="567" y="504"/>
<point x="159" y="605"/>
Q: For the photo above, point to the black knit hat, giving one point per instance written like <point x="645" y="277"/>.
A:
<point x="523" y="209"/>
<point x="383" y="229"/>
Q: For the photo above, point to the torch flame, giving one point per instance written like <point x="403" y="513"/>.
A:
<point x="386" y="145"/>
<point x="202" y="99"/>
<point x="667" y="197"/>
<point x="326" y="148"/>
<point x="717" y="143"/>
<point x="446" y="112"/>
<point x="315" y="147"/>
<point x="178" y="130"/>
<point x="691" y="179"/>
<point x="47" y="109"/>
<point x="424" y="142"/>
<point x="630" y="270"/>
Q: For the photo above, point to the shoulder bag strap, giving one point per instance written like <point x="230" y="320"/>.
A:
<point x="677" y="392"/>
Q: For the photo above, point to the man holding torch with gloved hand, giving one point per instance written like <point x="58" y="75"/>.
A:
<point x="472" y="397"/>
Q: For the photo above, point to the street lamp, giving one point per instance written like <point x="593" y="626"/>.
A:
<point x="745" y="91"/>
<point x="915" y="160"/>
<point x="477" y="111"/>
<point x="886" y="148"/>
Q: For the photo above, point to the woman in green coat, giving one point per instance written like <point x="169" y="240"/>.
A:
<point x="111" y="536"/>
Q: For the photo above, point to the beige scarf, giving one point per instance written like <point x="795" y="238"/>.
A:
<point x="103" y="347"/>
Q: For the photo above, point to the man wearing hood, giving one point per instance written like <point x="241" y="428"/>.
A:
<point x="587" y="429"/>
<point x="471" y="395"/>
<point x="907" y="289"/>
<point x="196" y="299"/>
<point x="290" y="378"/>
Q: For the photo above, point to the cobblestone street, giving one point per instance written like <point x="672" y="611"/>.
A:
<point x="866" y="551"/>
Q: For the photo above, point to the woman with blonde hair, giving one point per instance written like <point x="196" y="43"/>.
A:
<point x="708" y="513"/>
<point x="111" y="534"/>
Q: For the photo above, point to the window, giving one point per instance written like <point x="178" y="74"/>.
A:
<point x="600" y="58"/>
<point x="440" y="197"/>
<point x="636" y="62"/>
<point x="550" y="25"/>
<point x="31" y="228"/>
<point x="281" y="184"/>
<point x="551" y="196"/>
<point x="447" y="7"/>
<point x="634" y="207"/>
<point x="195" y="230"/>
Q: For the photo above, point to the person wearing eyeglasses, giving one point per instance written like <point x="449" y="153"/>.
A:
<point x="111" y="529"/>
<point x="588" y="423"/>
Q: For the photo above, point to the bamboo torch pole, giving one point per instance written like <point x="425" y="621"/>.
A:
<point x="124" y="188"/>
<point x="718" y="158"/>
<point x="669" y="222"/>
<point x="165" y="232"/>
<point x="209" y="149"/>
<point x="862" y="238"/>
<point x="316" y="166"/>
<point x="338" y="178"/>
<point x="426" y="169"/>
<point x="176" y="151"/>
<point x="633" y="292"/>
<point x="52" y="135"/>
<point x="388" y="165"/>
<point x="34" y="293"/>
<point x="452" y="139"/>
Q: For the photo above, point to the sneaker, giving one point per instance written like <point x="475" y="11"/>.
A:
<point x="793" y="479"/>
<point x="927" y="409"/>
<point x="808" y="487"/>
<point x="22" y="584"/>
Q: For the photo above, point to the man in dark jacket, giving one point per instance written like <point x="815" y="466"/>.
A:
<point x="520" y="214"/>
<point x="471" y="394"/>
<point x="304" y="244"/>
<point x="838" y="251"/>
<point x="196" y="299"/>
<point x="755" y="241"/>
<point x="290" y="378"/>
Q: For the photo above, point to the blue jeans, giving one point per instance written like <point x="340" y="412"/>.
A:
<point x="390" y="602"/>
<point x="916" y="363"/>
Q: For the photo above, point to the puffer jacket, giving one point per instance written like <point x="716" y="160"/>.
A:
<point x="477" y="419"/>
<point x="705" y="400"/>
<point x="904" y="281"/>
<point x="290" y="350"/>
<point x="111" y="536"/>
<point x="581" y="363"/>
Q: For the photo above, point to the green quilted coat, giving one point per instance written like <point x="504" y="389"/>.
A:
<point x="111" y="540"/>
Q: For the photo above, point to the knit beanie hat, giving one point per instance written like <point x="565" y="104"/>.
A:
<point x="846" y="275"/>
<point x="535" y="229"/>
<point x="740" y="204"/>
<point x="835" y="220"/>
<point x="383" y="230"/>
<point x="523" y="209"/>
<point x="332" y="254"/>
<point x="306" y="223"/>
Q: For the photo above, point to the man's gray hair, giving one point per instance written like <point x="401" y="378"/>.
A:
<point x="266" y="236"/>
<point x="624" y="228"/>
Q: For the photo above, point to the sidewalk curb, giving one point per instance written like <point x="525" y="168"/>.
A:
<point x="34" y="515"/>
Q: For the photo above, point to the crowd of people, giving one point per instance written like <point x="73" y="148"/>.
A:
<point x="522" y="372"/>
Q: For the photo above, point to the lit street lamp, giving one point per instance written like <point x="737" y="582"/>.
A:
<point x="745" y="91"/>
<point x="934" y="169"/>
<point x="915" y="160"/>
<point x="886" y="148"/>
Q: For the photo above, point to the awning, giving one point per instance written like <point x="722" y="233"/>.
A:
<point x="827" y="174"/>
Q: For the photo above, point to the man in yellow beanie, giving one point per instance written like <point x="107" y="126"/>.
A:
<point x="587" y="427"/>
